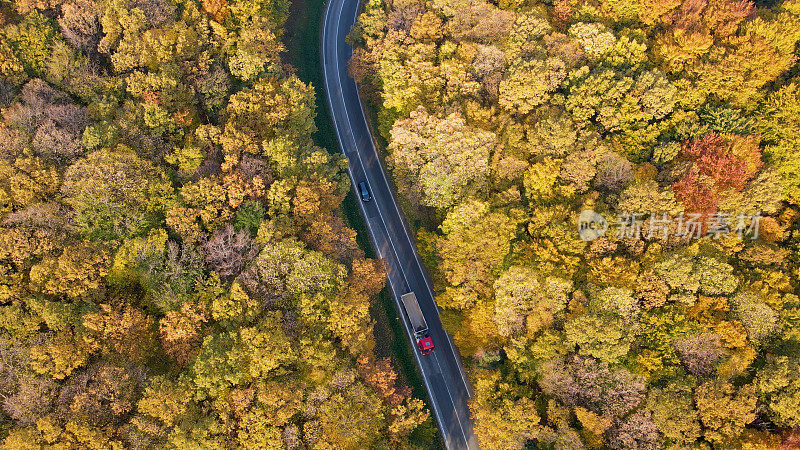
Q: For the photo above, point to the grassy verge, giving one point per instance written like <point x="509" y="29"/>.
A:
<point x="303" y="52"/>
<point x="302" y="40"/>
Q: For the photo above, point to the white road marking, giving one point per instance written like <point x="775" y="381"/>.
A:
<point x="410" y="242"/>
<point x="407" y="234"/>
<point x="363" y="210"/>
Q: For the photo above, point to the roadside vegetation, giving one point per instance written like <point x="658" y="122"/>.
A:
<point x="176" y="270"/>
<point x="677" y="123"/>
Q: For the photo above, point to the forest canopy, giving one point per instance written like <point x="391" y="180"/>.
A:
<point x="677" y="123"/>
<point x="175" y="267"/>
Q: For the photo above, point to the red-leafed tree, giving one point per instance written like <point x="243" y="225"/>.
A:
<point x="718" y="163"/>
<point x="729" y="159"/>
<point x="380" y="376"/>
<point x="696" y="192"/>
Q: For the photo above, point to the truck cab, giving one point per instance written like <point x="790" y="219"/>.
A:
<point x="425" y="345"/>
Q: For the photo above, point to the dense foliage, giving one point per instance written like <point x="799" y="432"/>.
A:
<point x="505" y="120"/>
<point x="175" y="270"/>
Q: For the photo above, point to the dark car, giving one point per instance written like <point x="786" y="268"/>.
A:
<point x="364" y="190"/>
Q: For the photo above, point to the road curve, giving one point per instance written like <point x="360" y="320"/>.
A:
<point x="445" y="381"/>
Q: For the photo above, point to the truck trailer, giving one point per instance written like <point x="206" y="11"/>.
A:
<point x="418" y="324"/>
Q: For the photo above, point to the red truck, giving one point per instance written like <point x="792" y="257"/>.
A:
<point x="418" y="324"/>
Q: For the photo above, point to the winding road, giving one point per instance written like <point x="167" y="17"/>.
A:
<point x="445" y="381"/>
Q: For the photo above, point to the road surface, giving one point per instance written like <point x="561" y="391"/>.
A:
<point x="447" y="385"/>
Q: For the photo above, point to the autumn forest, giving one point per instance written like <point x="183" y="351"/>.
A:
<point x="505" y="120"/>
<point x="177" y="268"/>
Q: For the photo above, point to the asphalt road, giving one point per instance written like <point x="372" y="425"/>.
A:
<point x="447" y="385"/>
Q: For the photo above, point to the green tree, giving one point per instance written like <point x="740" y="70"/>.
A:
<point x="607" y="338"/>
<point x="116" y="194"/>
